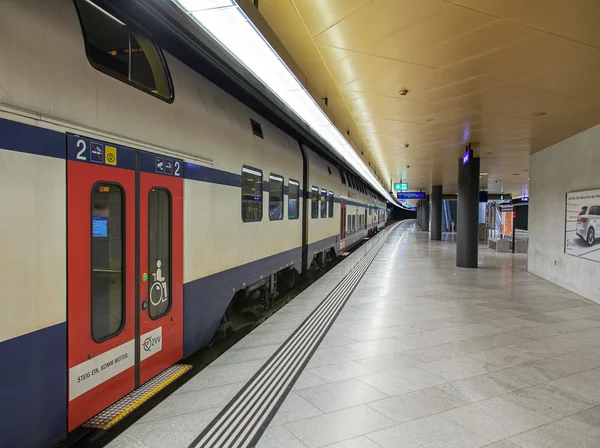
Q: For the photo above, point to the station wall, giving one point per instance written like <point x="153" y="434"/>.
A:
<point x="568" y="166"/>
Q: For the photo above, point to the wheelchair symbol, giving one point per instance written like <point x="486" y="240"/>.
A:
<point x="158" y="290"/>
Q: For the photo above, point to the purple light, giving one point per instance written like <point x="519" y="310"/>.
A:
<point x="466" y="157"/>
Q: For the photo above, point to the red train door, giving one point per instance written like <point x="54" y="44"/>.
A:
<point x="161" y="264"/>
<point x="116" y="224"/>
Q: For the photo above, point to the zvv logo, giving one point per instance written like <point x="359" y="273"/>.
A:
<point x="150" y="342"/>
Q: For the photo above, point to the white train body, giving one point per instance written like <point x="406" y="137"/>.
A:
<point x="52" y="103"/>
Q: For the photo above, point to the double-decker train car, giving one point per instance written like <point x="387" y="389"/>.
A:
<point x="144" y="210"/>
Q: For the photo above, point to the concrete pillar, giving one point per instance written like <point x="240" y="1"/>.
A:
<point x="467" y="220"/>
<point x="419" y="214"/>
<point x="436" y="212"/>
<point x="426" y="214"/>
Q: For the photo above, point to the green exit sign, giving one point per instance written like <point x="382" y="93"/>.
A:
<point x="401" y="187"/>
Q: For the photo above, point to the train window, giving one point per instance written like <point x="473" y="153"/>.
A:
<point x="107" y="256"/>
<point x="330" y="200"/>
<point x="123" y="52"/>
<point x="275" y="197"/>
<point x="349" y="224"/>
<point x="314" y="202"/>
<point x="293" y="196"/>
<point x="342" y="177"/>
<point x="353" y="223"/>
<point x="159" y="252"/>
<point x="323" y="203"/>
<point x="251" y="194"/>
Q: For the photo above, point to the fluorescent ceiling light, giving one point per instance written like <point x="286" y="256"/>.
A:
<point x="230" y="26"/>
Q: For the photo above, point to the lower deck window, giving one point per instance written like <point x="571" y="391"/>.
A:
<point x="293" y="199"/>
<point x="275" y="197"/>
<point x="314" y="202"/>
<point x="323" y="203"/>
<point x="251" y="194"/>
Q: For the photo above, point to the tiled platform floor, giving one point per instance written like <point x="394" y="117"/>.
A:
<point x="424" y="354"/>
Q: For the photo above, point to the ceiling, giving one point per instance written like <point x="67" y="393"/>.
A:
<point x="475" y="71"/>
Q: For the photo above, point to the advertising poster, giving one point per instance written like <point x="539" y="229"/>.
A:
<point x="582" y="226"/>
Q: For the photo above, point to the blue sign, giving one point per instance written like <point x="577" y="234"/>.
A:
<point x="467" y="156"/>
<point x="411" y="195"/>
<point x="96" y="152"/>
<point x="169" y="167"/>
<point x="99" y="226"/>
<point x="159" y="165"/>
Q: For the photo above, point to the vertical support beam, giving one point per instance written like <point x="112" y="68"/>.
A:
<point x="426" y="214"/>
<point x="467" y="222"/>
<point x="436" y="212"/>
<point x="419" y="214"/>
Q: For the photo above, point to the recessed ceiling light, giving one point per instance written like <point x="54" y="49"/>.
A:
<point x="484" y="174"/>
<point x="537" y="114"/>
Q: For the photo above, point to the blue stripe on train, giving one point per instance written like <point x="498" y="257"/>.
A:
<point x="31" y="139"/>
<point x="34" y="388"/>
<point x="206" y="299"/>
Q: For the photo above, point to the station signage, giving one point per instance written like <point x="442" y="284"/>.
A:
<point x="467" y="156"/>
<point x="411" y="195"/>
<point x="401" y="186"/>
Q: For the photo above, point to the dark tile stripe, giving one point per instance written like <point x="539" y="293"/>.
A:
<point x="244" y="419"/>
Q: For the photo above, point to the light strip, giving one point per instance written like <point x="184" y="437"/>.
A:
<point x="229" y="25"/>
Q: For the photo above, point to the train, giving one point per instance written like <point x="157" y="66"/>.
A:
<point x="145" y="210"/>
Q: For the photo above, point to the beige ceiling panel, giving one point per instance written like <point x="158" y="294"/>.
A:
<point x="377" y="20"/>
<point x="414" y="42"/>
<point x="331" y="55"/>
<point x="357" y="66"/>
<point x="481" y="42"/>
<point x="319" y="15"/>
<point x="500" y="8"/>
<point x="574" y="19"/>
<point x="532" y="59"/>
<point x="475" y="71"/>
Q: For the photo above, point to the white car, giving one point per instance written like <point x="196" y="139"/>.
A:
<point x="587" y="223"/>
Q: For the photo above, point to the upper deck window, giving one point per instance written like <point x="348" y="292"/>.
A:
<point x="123" y="52"/>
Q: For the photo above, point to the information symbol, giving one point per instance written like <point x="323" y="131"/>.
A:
<point x="110" y="157"/>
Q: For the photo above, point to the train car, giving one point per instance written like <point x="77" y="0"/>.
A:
<point x="144" y="211"/>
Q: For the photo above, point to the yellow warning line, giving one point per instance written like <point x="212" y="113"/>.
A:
<point x="137" y="403"/>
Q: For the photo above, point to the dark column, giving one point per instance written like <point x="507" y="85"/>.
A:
<point x="419" y="213"/>
<point x="436" y="212"/>
<point x="426" y="214"/>
<point x="467" y="220"/>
